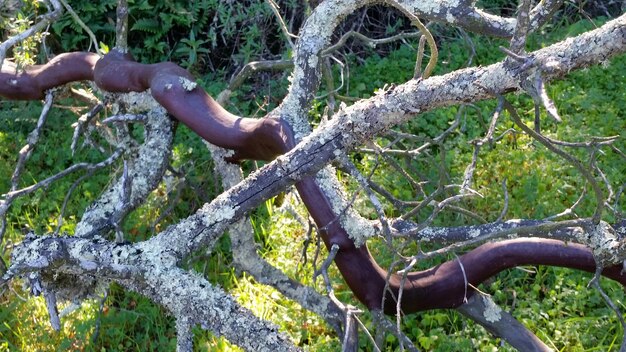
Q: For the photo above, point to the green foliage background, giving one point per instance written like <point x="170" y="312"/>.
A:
<point x="212" y="39"/>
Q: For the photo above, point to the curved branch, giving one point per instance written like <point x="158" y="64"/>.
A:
<point x="67" y="264"/>
<point x="440" y="287"/>
<point x="34" y="81"/>
<point x="503" y="325"/>
<point x="444" y="285"/>
<point x="174" y="88"/>
<point x="146" y="166"/>
<point x="37" y="27"/>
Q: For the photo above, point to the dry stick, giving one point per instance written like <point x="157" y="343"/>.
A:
<point x="24" y="154"/>
<point x="240" y="77"/>
<point x="368" y="41"/>
<point x="368" y="334"/>
<point x="173" y="201"/>
<point x="594" y="166"/>
<point x="618" y="194"/>
<point x="124" y="203"/>
<point x="544" y="99"/>
<point x="82" y="24"/>
<point x="518" y="42"/>
<point x="82" y="123"/>
<point x="417" y="72"/>
<point x="506" y="326"/>
<point x="53" y="311"/>
<point x="596" y="283"/>
<point x="323" y="270"/>
<point x="281" y="23"/>
<point x="31" y="141"/>
<point x="471" y="167"/>
<point x="96" y="329"/>
<point x="505" y="207"/>
<point x="10" y="196"/>
<point x="36" y="28"/>
<point x="381" y="320"/>
<point x="67" y="198"/>
<point x="597" y="216"/>
<point x="399" y="307"/>
<point x="543" y="12"/>
<point x="470" y="44"/>
<point x="364" y="184"/>
<point x="535" y="87"/>
<point x="570" y="210"/>
<point x="429" y="37"/>
<point x="382" y="152"/>
<point x="184" y="335"/>
<point x="327" y="73"/>
<point x="350" y="341"/>
<point x="121" y="26"/>
<point x="279" y="65"/>
<point x="596" y="141"/>
<point x="517" y="231"/>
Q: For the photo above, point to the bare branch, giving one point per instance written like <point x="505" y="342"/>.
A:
<point x="281" y="23"/>
<point x="426" y="33"/>
<point x="121" y="26"/>
<point x="485" y="312"/>
<point x="36" y="28"/>
<point x="31" y="142"/>
<point x="569" y="158"/>
<point x="82" y="24"/>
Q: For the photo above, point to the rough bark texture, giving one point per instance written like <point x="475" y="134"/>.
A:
<point x="150" y="267"/>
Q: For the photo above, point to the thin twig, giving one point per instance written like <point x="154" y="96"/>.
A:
<point x="96" y="329"/>
<point x="36" y="28"/>
<point x="81" y="124"/>
<point x="367" y="41"/>
<point x="323" y="270"/>
<point x="368" y="334"/>
<point x="505" y="207"/>
<point x="434" y="53"/>
<point x="82" y="24"/>
<point x="569" y="158"/>
<point x="69" y="170"/>
<point x="281" y="23"/>
<point x="382" y="321"/>
<point x="31" y="141"/>
<point x="518" y="41"/>
<point x="547" y="227"/>
<point x="53" y="311"/>
<point x="121" y="26"/>
<point x="364" y="183"/>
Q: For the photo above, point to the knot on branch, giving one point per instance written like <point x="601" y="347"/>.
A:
<point x="608" y="246"/>
<point x="47" y="264"/>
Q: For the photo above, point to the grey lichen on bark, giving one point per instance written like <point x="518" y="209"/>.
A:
<point x="146" y="166"/>
<point x="245" y="255"/>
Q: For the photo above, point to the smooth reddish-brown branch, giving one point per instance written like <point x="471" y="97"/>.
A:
<point x="34" y="81"/>
<point x="172" y="86"/>
<point x="443" y="286"/>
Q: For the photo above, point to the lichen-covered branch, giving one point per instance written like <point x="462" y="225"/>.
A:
<point x="246" y="257"/>
<point x="144" y="269"/>
<point x="485" y="312"/>
<point x="146" y="166"/>
<point x="150" y="267"/>
<point x="45" y="21"/>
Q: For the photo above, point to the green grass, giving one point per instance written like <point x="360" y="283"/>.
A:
<point x="554" y="303"/>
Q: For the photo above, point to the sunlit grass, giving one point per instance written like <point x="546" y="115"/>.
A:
<point x="554" y="303"/>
